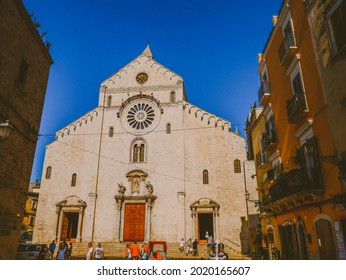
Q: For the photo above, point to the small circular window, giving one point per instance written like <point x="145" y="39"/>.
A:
<point x="142" y="78"/>
<point x="140" y="116"/>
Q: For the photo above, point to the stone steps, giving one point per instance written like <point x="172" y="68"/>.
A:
<point x="115" y="250"/>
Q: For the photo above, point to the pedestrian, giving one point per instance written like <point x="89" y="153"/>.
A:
<point x="128" y="252"/>
<point x="135" y="251"/>
<point x="61" y="253"/>
<point x="70" y="251"/>
<point x="222" y="255"/>
<point x="210" y="243"/>
<point x="99" y="252"/>
<point x="146" y="247"/>
<point x="52" y="248"/>
<point x="181" y="245"/>
<point x="90" y="251"/>
<point x="188" y="247"/>
<point x="144" y="254"/>
<point x="195" y="247"/>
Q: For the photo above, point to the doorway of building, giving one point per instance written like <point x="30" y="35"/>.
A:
<point x="325" y="239"/>
<point x="205" y="226"/>
<point x="134" y="224"/>
<point x="289" y="241"/>
<point x="69" y="226"/>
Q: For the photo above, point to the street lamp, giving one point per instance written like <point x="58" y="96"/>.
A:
<point x="5" y="130"/>
<point x="247" y="197"/>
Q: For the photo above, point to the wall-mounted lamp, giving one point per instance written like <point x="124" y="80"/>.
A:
<point x="310" y="148"/>
<point x="5" y="130"/>
<point x="247" y="197"/>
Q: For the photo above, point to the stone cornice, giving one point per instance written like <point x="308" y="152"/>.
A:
<point x="143" y="88"/>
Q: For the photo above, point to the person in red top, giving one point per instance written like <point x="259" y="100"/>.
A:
<point x="146" y="247"/>
<point x="135" y="251"/>
<point x="159" y="256"/>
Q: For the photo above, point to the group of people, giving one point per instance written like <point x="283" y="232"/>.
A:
<point x="215" y="250"/>
<point x="191" y="247"/>
<point x="64" y="251"/>
<point x="95" y="254"/>
<point x="135" y="252"/>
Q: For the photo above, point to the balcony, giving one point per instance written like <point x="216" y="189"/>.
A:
<point x="296" y="184"/>
<point x="269" y="140"/>
<point x="264" y="93"/>
<point x="287" y="48"/>
<point x="261" y="159"/>
<point x="296" y="108"/>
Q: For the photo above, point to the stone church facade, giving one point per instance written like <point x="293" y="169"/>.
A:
<point x="143" y="165"/>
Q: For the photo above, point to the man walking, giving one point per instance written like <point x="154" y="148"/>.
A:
<point x="135" y="251"/>
<point x="52" y="248"/>
<point x="90" y="251"/>
<point x="99" y="252"/>
<point x="181" y="245"/>
<point x="195" y="247"/>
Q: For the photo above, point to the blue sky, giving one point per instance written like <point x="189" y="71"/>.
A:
<point x="213" y="45"/>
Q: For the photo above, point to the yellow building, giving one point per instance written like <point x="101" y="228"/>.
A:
<point x="301" y="199"/>
<point x="30" y="211"/>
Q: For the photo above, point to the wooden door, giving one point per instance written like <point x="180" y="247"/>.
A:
<point x="134" y="225"/>
<point x="325" y="239"/>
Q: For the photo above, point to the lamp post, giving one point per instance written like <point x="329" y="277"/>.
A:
<point x="5" y="130"/>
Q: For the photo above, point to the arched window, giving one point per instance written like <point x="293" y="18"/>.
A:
<point x="111" y="131"/>
<point x="109" y="101"/>
<point x="172" y="97"/>
<point x="237" y="167"/>
<point x="205" y="177"/>
<point x="138" y="151"/>
<point x="74" y="180"/>
<point x="135" y="153"/>
<point x="168" y="128"/>
<point x="141" y="153"/>
<point x="48" y="172"/>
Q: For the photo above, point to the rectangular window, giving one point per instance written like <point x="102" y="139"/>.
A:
<point x="297" y="85"/>
<point x="23" y="72"/>
<point x="32" y="220"/>
<point x="338" y="22"/>
<point x="34" y="205"/>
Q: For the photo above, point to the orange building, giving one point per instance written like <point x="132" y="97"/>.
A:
<point x="302" y="204"/>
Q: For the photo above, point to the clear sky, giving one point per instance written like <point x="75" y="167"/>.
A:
<point x="213" y="45"/>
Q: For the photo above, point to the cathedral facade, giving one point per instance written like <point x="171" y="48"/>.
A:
<point x="143" y="165"/>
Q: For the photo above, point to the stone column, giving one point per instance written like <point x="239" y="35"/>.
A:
<point x="79" y="228"/>
<point x="148" y="219"/>
<point x="118" y="221"/>
<point x="59" y="223"/>
<point x="216" y="224"/>
<point x="57" y="212"/>
<point x="194" y="223"/>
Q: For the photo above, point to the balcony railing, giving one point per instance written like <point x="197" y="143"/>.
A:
<point x="287" y="48"/>
<point x="264" y="93"/>
<point x="269" y="140"/>
<point x="296" y="182"/>
<point x="296" y="108"/>
<point x="261" y="159"/>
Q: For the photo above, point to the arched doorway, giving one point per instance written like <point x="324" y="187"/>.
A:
<point x="325" y="239"/>
<point x="288" y="238"/>
<point x="303" y="250"/>
<point x="70" y="217"/>
<point x="204" y="213"/>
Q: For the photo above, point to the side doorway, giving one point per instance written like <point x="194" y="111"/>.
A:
<point x="325" y="240"/>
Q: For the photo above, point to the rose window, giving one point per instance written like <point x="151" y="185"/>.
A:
<point x="140" y="116"/>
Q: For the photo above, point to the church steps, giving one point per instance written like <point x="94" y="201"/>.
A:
<point x="114" y="250"/>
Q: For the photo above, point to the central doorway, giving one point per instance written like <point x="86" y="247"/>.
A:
<point x="69" y="226"/>
<point x="205" y="226"/>
<point x="134" y="224"/>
